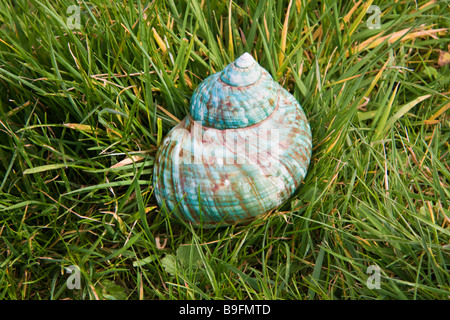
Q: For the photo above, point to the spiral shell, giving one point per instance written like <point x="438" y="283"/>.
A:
<point x="242" y="151"/>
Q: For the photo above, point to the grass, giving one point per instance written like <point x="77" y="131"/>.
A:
<point x="83" y="110"/>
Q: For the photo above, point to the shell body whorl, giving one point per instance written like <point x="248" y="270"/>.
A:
<point x="243" y="150"/>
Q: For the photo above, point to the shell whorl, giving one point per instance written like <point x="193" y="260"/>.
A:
<point x="241" y="95"/>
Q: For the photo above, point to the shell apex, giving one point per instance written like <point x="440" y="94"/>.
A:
<point x="244" y="61"/>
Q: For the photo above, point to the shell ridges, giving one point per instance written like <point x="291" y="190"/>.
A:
<point x="243" y="150"/>
<point x="241" y="95"/>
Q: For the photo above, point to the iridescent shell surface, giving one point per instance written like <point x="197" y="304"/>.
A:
<point x="243" y="150"/>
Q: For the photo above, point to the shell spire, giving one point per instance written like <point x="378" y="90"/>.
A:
<point x="245" y="61"/>
<point x="241" y="95"/>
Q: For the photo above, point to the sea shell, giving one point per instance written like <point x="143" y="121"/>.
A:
<point x="242" y="151"/>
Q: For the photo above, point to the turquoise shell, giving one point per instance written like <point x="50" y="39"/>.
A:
<point x="242" y="151"/>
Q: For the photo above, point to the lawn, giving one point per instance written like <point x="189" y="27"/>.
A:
<point x="88" y="89"/>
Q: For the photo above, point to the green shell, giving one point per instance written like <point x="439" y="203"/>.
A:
<point x="243" y="150"/>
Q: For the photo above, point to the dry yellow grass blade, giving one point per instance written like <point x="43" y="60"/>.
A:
<point x="284" y="35"/>
<point x="432" y="119"/>
<point x="426" y="5"/>
<point x="333" y="143"/>
<point x="126" y="161"/>
<point x="168" y="113"/>
<point x="81" y="127"/>
<point x="359" y="18"/>
<point x="266" y="28"/>
<point x="230" y="34"/>
<point x="350" y="13"/>
<point x="159" y="40"/>
<point x="298" y="4"/>
<point x="391" y="38"/>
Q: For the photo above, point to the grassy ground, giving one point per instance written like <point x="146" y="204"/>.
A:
<point x="78" y="131"/>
